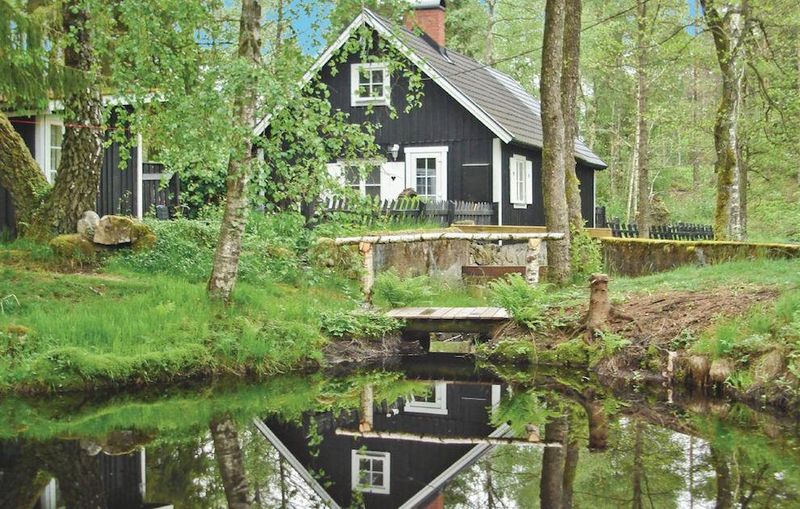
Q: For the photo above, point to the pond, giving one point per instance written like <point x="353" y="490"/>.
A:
<point x="430" y="432"/>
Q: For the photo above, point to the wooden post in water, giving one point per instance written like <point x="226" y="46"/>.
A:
<point x="368" y="279"/>
<point x="532" y="261"/>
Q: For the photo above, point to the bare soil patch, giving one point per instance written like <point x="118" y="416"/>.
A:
<point x="660" y="318"/>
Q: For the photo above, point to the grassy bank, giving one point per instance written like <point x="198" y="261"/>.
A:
<point x="134" y="318"/>
<point x="734" y="327"/>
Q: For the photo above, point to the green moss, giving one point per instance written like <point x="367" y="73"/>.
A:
<point x="73" y="247"/>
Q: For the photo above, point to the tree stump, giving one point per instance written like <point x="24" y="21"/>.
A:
<point x="599" y="305"/>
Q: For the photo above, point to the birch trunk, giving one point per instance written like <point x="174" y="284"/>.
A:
<point x="569" y="97"/>
<point x="78" y="179"/>
<point x="230" y="461"/>
<point x="642" y="136"/>
<point x="19" y="173"/>
<point x="553" y="174"/>
<point x="727" y="29"/>
<point x="229" y="246"/>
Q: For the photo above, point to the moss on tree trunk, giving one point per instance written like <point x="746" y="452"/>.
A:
<point x="19" y="173"/>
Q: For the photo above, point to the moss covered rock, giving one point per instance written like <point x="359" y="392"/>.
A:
<point x="73" y="247"/>
<point x="121" y="230"/>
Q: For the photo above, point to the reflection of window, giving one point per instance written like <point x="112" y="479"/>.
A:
<point x="364" y="178"/>
<point x="370" y="471"/>
<point x="369" y="84"/>
<point x="434" y="402"/>
<point x="55" y="141"/>
<point x="521" y="173"/>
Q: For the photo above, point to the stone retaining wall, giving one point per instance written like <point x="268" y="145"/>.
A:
<point x="638" y="257"/>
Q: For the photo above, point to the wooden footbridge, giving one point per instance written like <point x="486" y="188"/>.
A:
<point x="421" y="321"/>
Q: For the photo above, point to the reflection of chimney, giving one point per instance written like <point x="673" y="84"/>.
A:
<point x="429" y="16"/>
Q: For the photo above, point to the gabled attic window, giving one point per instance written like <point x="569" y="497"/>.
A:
<point x="369" y="84"/>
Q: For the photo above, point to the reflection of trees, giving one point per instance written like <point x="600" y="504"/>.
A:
<point x="230" y="461"/>
<point x="77" y="471"/>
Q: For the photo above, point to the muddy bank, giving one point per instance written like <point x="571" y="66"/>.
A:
<point x="649" y="341"/>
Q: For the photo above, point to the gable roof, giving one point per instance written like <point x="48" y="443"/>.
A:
<point x="494" y="98"/>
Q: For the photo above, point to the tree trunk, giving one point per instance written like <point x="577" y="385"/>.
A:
<point x="229" y="246"/>
<point x="599" y="305"/>
<point x="727" y="32"/>
<point x="20" y="174"/>
<point x="569" y="96"/>
<point x="638" y="468"/>
<point x="366" y="420"/>
<point x="553" y="174"/>
<point x="230" y="461"/>
<point x="77" y="472"/>
<point x="488" y="55"/>
<point x="570" y="469"/>
<point x="642" y="135"/>
<point x="598" y="424"/>
<point x="78" y="179"/>
<point x="723" y="474"/>
<point x="551" y="485"/>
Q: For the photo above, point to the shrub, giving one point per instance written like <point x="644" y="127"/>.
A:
<point x="585" y="255"/>
<point x="526" y="303"/>
<point x="400" y="292"/>
<point x="358" y="324"/>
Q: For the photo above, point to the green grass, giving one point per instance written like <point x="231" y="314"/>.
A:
<point x="74" y="331"/>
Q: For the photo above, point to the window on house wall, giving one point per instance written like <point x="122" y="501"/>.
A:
<point x="370" y="471"/>
<point x="434" y="402"/>
<point x="426" y="171"/>
<point x="369" y="84"/>
<point x="521" y="181"/>
<point x="364" y="177"/>
<point x="55" y="142"/>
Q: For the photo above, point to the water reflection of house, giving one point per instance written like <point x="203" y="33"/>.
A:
<point x="123" y="482"/>
<point x="414" y="448"/>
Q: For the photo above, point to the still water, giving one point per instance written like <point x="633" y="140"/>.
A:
<point x="431" y="432"/>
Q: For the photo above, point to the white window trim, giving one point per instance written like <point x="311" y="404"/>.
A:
<point x="436" y="407"/>
<point x="520" y="202"/>
<point x="48" y="123"/>
<point x="340" y="174"/>
<point x="440" y="153"/>
<point x="356" y="455"/>
<point x="355" y="77"/>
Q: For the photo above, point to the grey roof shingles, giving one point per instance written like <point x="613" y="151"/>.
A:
<point x="497" y="94"/>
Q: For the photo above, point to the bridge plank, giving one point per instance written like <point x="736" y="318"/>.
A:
<point x="477" y="313"/>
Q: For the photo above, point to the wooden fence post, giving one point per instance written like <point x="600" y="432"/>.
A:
<point x="532" y="261"/>
<point x="368" y="279"/>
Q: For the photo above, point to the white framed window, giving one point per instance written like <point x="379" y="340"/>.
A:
<point x="371" y="471"/>
<point x="54" y="140"/>
<point x="369" y="84"/>
<point x="364" y="177"/>
<point x="426" y="171"/>
<point x="435" y="402"/>
<point x="521" y="181"/>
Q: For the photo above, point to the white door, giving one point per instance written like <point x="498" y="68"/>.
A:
<point x="426" y="171"/>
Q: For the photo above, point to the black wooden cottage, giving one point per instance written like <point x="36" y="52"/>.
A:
<point x="391" y="472"/>
<point x="476" y="137"/>
<point x="133" y="188"/>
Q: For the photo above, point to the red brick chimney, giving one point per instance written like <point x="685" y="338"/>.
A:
<point x="429" y="16"/>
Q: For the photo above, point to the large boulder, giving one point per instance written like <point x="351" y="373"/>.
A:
<point x="121" y="230"/>
<point x="87" y="224"/>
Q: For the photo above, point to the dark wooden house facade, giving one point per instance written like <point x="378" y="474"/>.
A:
<point x="393" y="472"/>
<point x="476" y="136"/>
<point x="132" y="187"/>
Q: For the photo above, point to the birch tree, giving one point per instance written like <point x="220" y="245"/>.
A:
<point x="641" y="145"/>
<point x="229" y="246"/>
<point x="729" y="23"/>
<point x="569" y="99"/>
